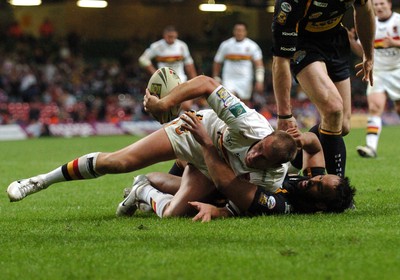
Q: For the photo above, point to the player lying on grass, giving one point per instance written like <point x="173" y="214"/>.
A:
<point x="314" y="192"/>
<point x="243" y="137"/>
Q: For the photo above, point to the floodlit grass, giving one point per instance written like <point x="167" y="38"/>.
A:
<point x="70" y="231"/>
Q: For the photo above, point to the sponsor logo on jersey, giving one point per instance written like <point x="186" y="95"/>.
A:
<point x="289" y="34"/>
<point x="237" y="110"/>
<point x="315" y="15"/>
<point x="285" y="49"/>
<point x="325" y="25"/>
<point x="320" y="4"/>
<point x="281" y="18"/>
<point x="285" y="6"/>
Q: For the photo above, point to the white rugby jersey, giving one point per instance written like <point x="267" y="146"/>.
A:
<point x="238" y="57"/>
<point x="234" y="128"/>
<point x="387" y="58"/>
<point x="176" y="56"/>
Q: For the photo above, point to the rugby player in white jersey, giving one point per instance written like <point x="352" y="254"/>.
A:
<point x="386" y="72"/>
<point x="241" y="61"/>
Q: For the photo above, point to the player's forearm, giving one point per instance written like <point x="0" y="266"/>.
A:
<point x="221" y="174"/>
<point x="200" y="86"/>
<point x="282" y="83"/>
<point x="311" y="143"/>
<point x="365" y="25"/>
<point x="216" y="69"/>
<point x="190" y="71"/>
<point x="356" y="47"/>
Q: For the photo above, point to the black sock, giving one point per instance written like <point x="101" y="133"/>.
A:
<point x="176" y="170"/>
<point x="315" y="129"/>
<point x="334" y="152"/>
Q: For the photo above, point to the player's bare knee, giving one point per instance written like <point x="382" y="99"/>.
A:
<point x="345" y="130"/>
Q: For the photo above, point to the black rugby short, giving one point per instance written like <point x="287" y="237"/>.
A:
<point x="334" y="50"/>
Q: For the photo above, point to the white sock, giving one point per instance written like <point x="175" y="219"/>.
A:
<point x="156" y="199"/>
<point x="374" y="128"/>
<point x="77" y="169"/>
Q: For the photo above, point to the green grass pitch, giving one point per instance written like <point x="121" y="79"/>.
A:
<point x="70" y="231"/>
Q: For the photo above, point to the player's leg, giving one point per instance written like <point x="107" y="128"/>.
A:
<point x="166" y="183"/>
<point x="344" y="89"/>
<point x="325" y="95"/>
<point x="195" y="186"/>
<point x="192" y="186"/>
<point x="151" y="149"/>
<point x="376" y="107"/>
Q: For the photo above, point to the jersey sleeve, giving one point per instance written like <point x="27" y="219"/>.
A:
<point x="257" y="52"/>
<point x="287" y="15"/>
<point x="219" y="56"/>
<point x="150" y="52"/>
<point x="267" y="203"/>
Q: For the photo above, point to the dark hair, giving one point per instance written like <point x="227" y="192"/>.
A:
<point x="344" y="199"/>
<point x="169" y="28"/>
<point x="241" y="23"/>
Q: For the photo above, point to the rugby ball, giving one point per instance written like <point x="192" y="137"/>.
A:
<point x="160" y="84"/>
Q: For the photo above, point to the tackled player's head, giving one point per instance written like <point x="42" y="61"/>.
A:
<point x="324" y="193"/>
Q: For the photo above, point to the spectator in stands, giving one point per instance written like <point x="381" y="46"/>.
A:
<point x="46" y="29"/>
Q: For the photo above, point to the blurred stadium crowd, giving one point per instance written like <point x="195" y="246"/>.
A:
<point x="48" y="80"/>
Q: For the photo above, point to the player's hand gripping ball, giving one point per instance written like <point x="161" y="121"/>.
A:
<point x="160" y="84"/>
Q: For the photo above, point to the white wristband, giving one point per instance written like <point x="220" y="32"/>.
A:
<point x="260" y="72"/>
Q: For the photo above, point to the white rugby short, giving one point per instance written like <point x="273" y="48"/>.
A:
<point x="386" y="81"/>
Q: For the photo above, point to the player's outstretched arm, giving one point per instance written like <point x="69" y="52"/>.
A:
<point x="200" y="86"/>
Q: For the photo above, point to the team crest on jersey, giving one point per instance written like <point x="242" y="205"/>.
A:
<point x="281" y="18"/>
<point x="395" y="31"/>
<point x="324" y="25"/>
<point x="299" y="56"/>
<point x="224" y="95"/>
